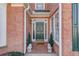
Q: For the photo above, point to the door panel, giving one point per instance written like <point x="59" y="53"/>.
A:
<point x="39" y="30"/>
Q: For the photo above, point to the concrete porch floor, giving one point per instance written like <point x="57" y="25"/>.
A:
<point x="41" y="54"/>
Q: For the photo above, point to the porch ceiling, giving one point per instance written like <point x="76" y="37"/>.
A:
<point x="32" y="13"/>
<point x="39" y="15"/>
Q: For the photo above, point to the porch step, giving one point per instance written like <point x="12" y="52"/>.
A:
<point x="39" y="48"/>
<point x="36" y="54"/>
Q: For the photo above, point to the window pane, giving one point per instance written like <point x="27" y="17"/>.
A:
<point x="39" y="6"/>
<point x="45" y="30"/>
<point x="75" y="39"/>
<point x="52" y="25"/>
<point x="33" y="31"/>
<point x="75" y="16"/>
<point x="57" y="27"/>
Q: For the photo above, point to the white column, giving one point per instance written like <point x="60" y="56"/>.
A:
<point x="60" y="29"/>
<point x="24" y="31"/>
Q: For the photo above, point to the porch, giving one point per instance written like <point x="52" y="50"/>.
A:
<point x="40" y="24"/>
<point x="42" y="54"/>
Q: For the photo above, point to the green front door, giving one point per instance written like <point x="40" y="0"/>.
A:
<point x="40" y="31"/>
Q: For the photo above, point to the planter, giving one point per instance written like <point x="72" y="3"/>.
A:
<point x="29" y="48"/>
<point x="49" y="48"/>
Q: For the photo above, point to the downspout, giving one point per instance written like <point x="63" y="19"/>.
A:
<point x="25" y="28"/>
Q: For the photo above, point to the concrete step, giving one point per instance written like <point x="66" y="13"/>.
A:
<point x="42" y="54"/>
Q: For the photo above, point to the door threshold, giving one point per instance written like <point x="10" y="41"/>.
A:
<point x="39" y="41"/>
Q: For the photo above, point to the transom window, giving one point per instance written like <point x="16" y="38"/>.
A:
<point x="39" y="6"/>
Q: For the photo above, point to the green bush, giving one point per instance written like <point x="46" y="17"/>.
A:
<point x="15" y="54"/>
<point x="51" y="41"/>
<point x="29" y="39"/>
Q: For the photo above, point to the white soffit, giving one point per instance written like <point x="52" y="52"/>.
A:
<point x="17" y="5"/>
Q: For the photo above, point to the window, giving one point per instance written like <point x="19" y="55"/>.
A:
<point x="55" y="26"/>
<point x="2" y="25"/>
<point x="33" y="30"/>
<point x="75" y="27"/>
<point x="52" y="25"/>
<point x="39" y="6"/>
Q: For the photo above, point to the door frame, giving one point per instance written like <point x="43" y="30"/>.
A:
<point x="40" y="20"/>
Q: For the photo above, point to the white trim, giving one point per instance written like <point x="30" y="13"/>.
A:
<point x="3" y="20"/>
<point x="50" y="25"/>
<point x="55" y="28"/>
<point x="46" y="40"/>
<point x="43" y="6"/>
<point x="17" y="5"/>
<point x="33" y="40"/>
<point x="40" y="20"/>
<point x="25" y="29"/>
<point x="44" y="13"/>
<point x="60" y="28"/>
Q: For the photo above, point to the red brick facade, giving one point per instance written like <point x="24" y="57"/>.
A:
<point x="15" y="28"/>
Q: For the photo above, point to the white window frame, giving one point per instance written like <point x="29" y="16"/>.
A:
<point x="36" y="5"/>
<point x="54" y="27"/>
<point x="3" y="30"/>
<point x="55" y="22"/>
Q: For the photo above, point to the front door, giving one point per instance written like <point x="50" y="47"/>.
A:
<point x="39" y="31"/>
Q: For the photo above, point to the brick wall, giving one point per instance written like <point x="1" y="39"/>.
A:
<point x="56" y="49"/>
<point x="14" y="29"/>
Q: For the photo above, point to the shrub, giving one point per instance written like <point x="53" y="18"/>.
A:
<point x="29" y="39"/>
<point x="16" y="54"/>
<point x="51" y="41"/>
